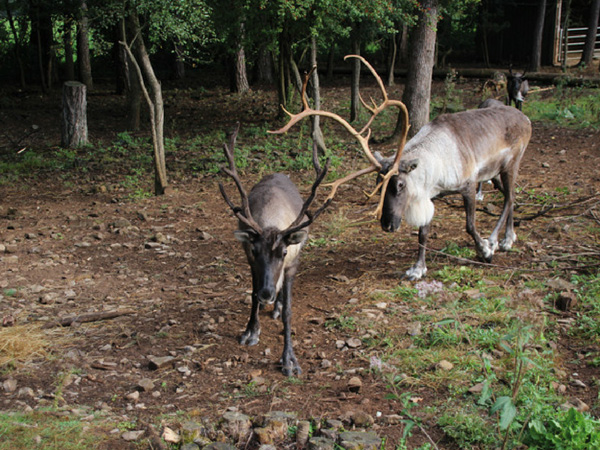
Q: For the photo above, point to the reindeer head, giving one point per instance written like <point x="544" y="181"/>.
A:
<point x="399" y="200"/>
<point x="273" y="224"/>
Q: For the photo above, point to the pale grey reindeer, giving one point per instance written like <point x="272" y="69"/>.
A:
<point x="273" y="228"/>
<point x="451" y="154"/>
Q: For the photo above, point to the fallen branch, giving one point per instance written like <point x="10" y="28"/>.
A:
<point x="90" y="317"/>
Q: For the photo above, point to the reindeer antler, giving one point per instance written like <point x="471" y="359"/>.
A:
<point x="300" y="223"/>
<point x="243" y="212"/>
<point x="360" y="136"/>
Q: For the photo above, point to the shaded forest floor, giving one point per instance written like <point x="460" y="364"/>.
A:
<point x="84" y="237"/>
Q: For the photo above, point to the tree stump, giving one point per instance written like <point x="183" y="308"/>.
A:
<point x="74" y="117"/>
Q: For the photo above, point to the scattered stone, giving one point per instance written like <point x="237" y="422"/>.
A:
<point x="578" y="384"/>
<point x="414" y="329"/>
<point x="159" y="362"/>
<point x="321" y="443"/>
<point x="393" y="419"/>
<point x="353" y="342"/>
<point x="302" y="433"/>
<point x="357" y="440"/>
<point x="220" y="446"/>
<point x="130" y="436"/>
<point x="362" y="420"/>
<point x="133" y="396"/>
<point x="10" y="385"/>
<point x="444" y="365"/>
<point x="171" y="436"/>
<point x="477" y="389"/>
<point x="575" y="403"/>
<point x="204" y="236"/>
<point x="190" y="446"/>
<point x="236" y="425"/>
<point x="145" y="385"/>
<point x="354" y="384"/>
<point x="25" y="392"/>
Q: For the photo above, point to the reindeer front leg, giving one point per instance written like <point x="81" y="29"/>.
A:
<point x="506" y="218"/>
<point x="485" y="248"/>
<point x="289" y="362"/>
<point x="419" y="269"/>
<point x="252" y="333"/>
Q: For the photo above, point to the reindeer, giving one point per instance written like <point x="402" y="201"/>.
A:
<point x="273" y="228"/>
<point x="451" y="154"/>
<point x="516" y="88"/>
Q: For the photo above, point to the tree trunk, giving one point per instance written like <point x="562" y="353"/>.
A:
<point x="330" y="61"/>
<point x="179" y="63"/>
<point x="392" y="59"/>
<point x="74" y="117"/>
<point x="282" y="79"/>
<point x="241" y="77"/>
<point x="355" y="83"/>
<point x="144" y="70"/>
<point x="417" y="92"/>
<point x="17" y="46"/>
<point x="68" y="43"/>
<point x="587" y="55"/>
<point x="317" y="134"/>
<point x="538" y="31"/>
<point x="265" y="66"/>
<point x="83" y="47"/>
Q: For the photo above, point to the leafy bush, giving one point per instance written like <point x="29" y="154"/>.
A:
<point x="571" y="430"/>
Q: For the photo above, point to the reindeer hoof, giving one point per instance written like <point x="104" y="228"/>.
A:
<point x="507" y="243"/>
<point x="249" y="338"/>
<point x="276" y="311"/>
<point x="290" y="366"/>
<point x="415" y="273"/>
<point x="487" y="249"/>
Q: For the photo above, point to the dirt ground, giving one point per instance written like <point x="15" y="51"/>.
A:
<point x="79" y="245"/>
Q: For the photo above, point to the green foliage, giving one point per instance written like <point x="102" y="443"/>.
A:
<point x="571" y="107"/>
<point x="571" y="430"/>
<point x="43" y="429"/>
<point x="467" y="429"/>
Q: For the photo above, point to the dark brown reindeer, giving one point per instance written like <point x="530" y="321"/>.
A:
<point x="273" y="228"/>
<point x="517" y="88"/>
<point x="451" y="154"/>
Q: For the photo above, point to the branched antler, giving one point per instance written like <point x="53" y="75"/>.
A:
<point x="243" y="213"/>
<point x="361" y="136"/>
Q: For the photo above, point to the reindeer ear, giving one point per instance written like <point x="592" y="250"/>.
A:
<point x="408" y="166"/>
<point x="297" y="237"/>
<point x="245" y="236"/>
<point x="378" y="157"/>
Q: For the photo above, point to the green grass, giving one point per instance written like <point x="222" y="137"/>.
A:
<point x="577" y="107"/>
<point x="50" y="431"/>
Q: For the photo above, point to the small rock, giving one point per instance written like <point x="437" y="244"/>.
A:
<point x="204" y="236"/>
<point x="355" y="440"/>
<point x="170" y="435"/>
<point x="190" y="446"/>
<point x="575" y="403"/>
<point x="133" y="396"/>
<point x="10" y="385"/>
<point x="477" y="389"/>
<point x="362" y="420"/>
<point x="444" y="365"/>
<point x="132" y="435"/>
<point x="321" y="443"/>
<point x="159" y="362"/>
<point x="353" y="342"/>
<point x="145" y="384"/>
<point x="354" y="384"/>
<point x="25" y="392"/>
<point x="302" y="433"/>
